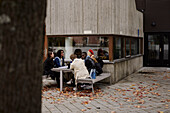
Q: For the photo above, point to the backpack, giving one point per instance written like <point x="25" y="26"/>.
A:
<point x="98" y="69"/>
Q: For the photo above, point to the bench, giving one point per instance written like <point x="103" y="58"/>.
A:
<point x="92" y="81"/>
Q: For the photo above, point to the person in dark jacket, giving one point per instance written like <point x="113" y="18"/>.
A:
<point x="48" y="65"/>
<point x="89" y="62"/>
<point x="92" y="63"/>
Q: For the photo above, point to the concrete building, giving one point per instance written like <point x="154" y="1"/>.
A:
<point x="157" y="31"/>
<point x="114" y="26"/>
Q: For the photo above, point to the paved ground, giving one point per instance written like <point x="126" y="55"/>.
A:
<point x="146" y="91"/>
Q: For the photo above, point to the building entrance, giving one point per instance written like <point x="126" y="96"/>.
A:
<point x="157" y="49"/>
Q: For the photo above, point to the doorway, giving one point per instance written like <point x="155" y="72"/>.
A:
<point x="157" y="49"/>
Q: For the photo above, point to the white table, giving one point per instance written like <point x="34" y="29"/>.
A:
<point x="61" y="70"/>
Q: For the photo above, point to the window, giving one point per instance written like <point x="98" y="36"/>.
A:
<point x="118" y="48"/>
<point x="69" y="44"/>
<point x="122" y="46"/>
<point x="134" y="46"/>
<point x="127" y="46"/>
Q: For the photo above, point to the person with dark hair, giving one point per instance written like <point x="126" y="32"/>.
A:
<point x="59" y="59"/>
<point x="84" y="55"/>
<point x="100" y="52"/>
<point x="78" y="52"/>
<point x="101" y="55"/>
<point x="48" y="65"/>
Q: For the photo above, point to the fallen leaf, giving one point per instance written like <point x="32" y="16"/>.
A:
<point x="140" y="106"/>
<point x="141" y="102"/>
<point x="163" y="101"/>
<point x="113" y="111"/>
<point x="88" y="107"/>
<point x="91" y="99"/>
<point x="168" y="100"/>
<point x="83" y="109"/>
<point x="158" y="94"/>
<point x="126" y="98"/>
<point x="160" y="112"/>
<point x="85" y="102"/>
<point x="123" y="94"/>
<point x="58" y="99"/>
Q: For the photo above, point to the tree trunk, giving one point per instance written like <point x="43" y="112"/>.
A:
<point x="21" y="33"/>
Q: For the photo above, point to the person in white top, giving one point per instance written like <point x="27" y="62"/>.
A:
<point x="80" y="70"/>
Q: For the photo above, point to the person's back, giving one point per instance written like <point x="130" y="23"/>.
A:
<point x="48" y="65"/>
<point x="80" y="70"/>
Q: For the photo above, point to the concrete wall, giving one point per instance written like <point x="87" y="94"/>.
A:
<point x="121" y="68"/>
<point x="66" y="17"/>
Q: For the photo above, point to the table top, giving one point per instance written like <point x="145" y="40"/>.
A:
<point x="63" y="68"/>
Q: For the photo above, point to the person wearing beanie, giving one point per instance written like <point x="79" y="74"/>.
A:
<point x="89" y="62"/>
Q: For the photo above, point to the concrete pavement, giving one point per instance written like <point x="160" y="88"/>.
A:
<point x="146" y="91"/>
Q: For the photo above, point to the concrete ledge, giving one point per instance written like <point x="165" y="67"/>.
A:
<point x="121" y="68"/>
<point x="122" y="59"/>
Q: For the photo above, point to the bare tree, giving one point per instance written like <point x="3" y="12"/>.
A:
<point x="21" y="33"/>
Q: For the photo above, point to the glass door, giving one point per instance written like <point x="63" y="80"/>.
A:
<point x="157" y="50"/>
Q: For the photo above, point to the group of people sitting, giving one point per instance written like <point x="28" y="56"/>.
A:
<point x="81" y="62"/>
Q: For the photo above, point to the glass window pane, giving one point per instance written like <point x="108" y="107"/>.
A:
<point x="119" y="48"/>
<point x="127" y="46"/>
<point x="166" y="46"/>
<point x="134" y="46"/>
<point x="153" y="47"/>
<point x="123" y="47"/>
<point x="140" y="49"/>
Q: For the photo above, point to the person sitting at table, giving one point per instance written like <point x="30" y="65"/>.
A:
<point x="84" y="55"/>
<point x="72" y="57"/>
<point x="59" y="62"/>
<point x="71" y="76"/>
<point x="59" y="59"/>
<point x="48" y="65"/>
<point x="89" y="62"/>
<point x="80" y="70"/>
<point x="78" y="52"/>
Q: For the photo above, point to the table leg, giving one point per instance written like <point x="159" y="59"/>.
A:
<point x="61" y="80"/>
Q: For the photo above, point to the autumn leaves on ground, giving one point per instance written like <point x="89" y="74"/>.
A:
<point x="142" y="90"/>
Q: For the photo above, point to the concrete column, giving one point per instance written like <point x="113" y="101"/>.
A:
<point x="45" y="47"/>
<point x="68" y="47"/>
